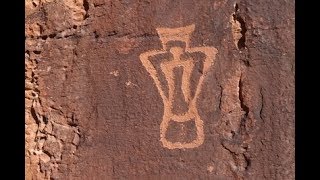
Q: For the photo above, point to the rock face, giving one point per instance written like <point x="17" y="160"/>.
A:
<point x="159" y="89"/>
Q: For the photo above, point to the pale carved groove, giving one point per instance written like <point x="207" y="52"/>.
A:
<point x="181" y="34"/>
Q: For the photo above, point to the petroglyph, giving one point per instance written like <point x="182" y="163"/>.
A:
<point x="115" y="73"/>
<point x="179" y="57"/>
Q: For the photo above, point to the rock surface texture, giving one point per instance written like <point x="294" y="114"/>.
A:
<point x="159" y="89"/>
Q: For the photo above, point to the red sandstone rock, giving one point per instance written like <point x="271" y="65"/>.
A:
<point x="95" y="111"/>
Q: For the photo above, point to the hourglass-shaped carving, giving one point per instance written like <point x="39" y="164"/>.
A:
<point x="179" y="57"/>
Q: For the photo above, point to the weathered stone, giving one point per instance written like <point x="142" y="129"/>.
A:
<point x="57" y="117"/>
<point x="44" y="157"/>
<point x="53" y="148"/>
<point x="76" y="139"/>
<point x="44" y="166"/>
<point x="65" y="133"/>
<point x="48" y="128"/>
<point x="109" y="93"/>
